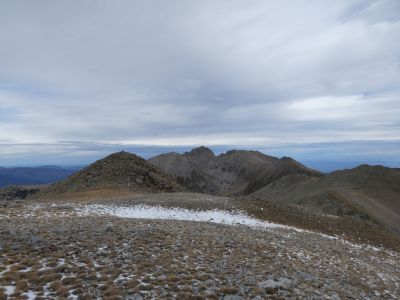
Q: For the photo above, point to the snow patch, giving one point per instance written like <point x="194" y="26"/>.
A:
<point x="182" y="214"/>
<point x="10" y="289"/>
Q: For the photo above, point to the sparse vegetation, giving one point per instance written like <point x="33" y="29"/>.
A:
<point x="185" y="260"/>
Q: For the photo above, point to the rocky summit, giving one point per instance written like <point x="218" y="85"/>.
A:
<point x="119" y="171"/>
<point x="235" y="172"/>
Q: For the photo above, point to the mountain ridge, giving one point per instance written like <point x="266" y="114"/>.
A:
<point x="370" y="192"/>
<point x="228" y="173"/>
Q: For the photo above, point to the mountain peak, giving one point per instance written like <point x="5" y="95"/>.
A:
<point x="287" y="158"/>
<point x="121" y="170"/>
<point x="202" y="150"/>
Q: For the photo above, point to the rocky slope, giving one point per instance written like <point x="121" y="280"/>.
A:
<point x="14" y="192"/>
<point x="232" y="173"/>
<point x="119" y="171"/>
<point x="85" y="254"/>
<point x="366" y="191"/>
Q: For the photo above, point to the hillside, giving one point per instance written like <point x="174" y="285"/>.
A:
<point x="32" y="175"/>
<point x="365" y="191"/>
<point x="235" y="172"/>
<point x="121" y="171"/>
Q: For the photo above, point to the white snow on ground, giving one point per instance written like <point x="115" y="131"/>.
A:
<point x="182" y="214"/>
<point x="10" y="289"/>
<point x="211" y="216"/>
<point x="30" y="295"/>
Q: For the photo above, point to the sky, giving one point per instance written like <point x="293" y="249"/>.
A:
<point x="315" y="80"/>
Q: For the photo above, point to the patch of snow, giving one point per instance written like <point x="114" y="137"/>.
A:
<point x="61" y="261"/>
<point x="10" y="289"/>
<point x="46" y="290"/>
<point x="30" y="295"/>
<point x="182" y="214"/>
<point x="71" y="295"/>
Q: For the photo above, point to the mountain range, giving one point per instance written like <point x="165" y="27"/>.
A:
<point x="235" y="172"/>
<point x="33" y="175"/>
<point x="366" y="192"/>
<point x="369" y="193"/>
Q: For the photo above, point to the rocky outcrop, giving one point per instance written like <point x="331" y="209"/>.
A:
<point x="15" y="192"/>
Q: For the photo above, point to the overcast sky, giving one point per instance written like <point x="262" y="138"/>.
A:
<point x="79" y="79"/>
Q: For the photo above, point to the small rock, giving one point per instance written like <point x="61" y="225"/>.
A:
<point x="33" y="239"/>
<point x="109" y="227"/>
<point x="136" y="296"/>
<point x="209" y="282"/>
<point x="270" y="286"/>
<point x="305" y="276"/>
<point x="250" y="280"/>
<point x="233" y="297"/>
<point x="285" y="283"/>
<point x="59" y="229"/>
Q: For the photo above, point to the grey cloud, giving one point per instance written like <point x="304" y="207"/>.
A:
<point x="185" y="72"/>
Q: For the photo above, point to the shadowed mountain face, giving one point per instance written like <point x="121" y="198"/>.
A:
<point x="120" y="171"/>
<point x="365" y="191"/>
<point x="371" y="193"/>
<point x="235" y="172"/>
<point x="34" y="175"/>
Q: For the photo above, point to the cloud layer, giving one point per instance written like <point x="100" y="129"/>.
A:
<point x="199" y="72"/>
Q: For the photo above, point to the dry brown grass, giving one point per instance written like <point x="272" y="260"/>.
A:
<point x="62" y="291"/>
<point x="28" y="262"/>
<point x="133" y="283"/>
<point x="47" y="278"/>
<point x="21" y="285"/>
<point x="172" y="278"/>
<point x="112" y="291"/>
<point x="148" y="287"/>
<point x="106" y="285"/>
<point x="16" y="268"/>
<point x="10" y="276"/>
<point x="30" y="275"/>
<point x="85" y="297"/>
<point x="68" y="280"/>
<point x="91" y="195"/>
<point x="55" y="285"/>
<point x="3" y="295"/>
<point x="228" y="290"/>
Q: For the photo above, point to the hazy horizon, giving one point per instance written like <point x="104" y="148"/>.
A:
<point x="314" y="156"/>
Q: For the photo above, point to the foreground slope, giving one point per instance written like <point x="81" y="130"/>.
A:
<point x="365" y="191"/>
<point x="119" y="171"/>
<point x="232" y="173"/>
<point x="90" y="251"/>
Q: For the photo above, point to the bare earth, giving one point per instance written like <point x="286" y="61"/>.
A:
<point x="53" y="250"/>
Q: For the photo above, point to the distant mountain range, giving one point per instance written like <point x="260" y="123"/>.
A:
<point x="33" y="175"/>
<point x="366" y="192"/>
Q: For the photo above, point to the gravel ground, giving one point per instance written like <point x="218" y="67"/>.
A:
<point x="54" y="251"/>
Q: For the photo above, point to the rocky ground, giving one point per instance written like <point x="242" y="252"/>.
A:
<point x="65" y="250"/>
